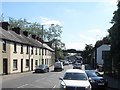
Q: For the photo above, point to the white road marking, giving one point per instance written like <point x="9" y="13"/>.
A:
<point x="22" y="85"/>
<point x="39" y="80"/>
<point x="53" y="87"/>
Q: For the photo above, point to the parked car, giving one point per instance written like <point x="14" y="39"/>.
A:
<point x="75" y="79"/>
<point x="58" y="66"/>
<point x="77" y="66"/>
<point x="96" y="80"/>
<point x="42" y="68"/>
<point x="66" y="63"/>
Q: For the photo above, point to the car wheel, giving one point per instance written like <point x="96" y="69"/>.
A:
<point x="47" y="70"/>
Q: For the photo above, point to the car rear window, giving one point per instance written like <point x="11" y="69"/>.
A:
<point x="75" y="76"/>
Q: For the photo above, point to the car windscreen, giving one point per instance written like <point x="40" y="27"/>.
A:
<point x="41" y="66"/>
<point x="75" y="76"/>
<point x="91" y="74"/>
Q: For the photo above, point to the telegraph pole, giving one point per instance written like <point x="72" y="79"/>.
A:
<point x="42" y="45"/>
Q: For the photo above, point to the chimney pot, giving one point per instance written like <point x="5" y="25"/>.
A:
<point x="16" y="30"/>
<point x="4" y="25"/>
<point x="25" y="33"/>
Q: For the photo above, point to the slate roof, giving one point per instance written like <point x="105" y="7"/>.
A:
<point x="21" y="38"/>
<point x="6" y="35"/>
<point x="45" y="45"/>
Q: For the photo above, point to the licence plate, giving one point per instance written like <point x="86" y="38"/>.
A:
<point x="100" y="83"/>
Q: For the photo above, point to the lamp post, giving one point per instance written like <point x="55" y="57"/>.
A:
<point x="55" y="43"/>
<point x="42" y="45"/>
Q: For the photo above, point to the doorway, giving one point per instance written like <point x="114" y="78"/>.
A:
<point x="5" y="66"/>
<point x="31" y="64"/>
<point x="21" y="65"/>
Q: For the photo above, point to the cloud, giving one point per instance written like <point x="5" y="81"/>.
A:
<point x="95" y="31"/>
<point x="75" y="45"/>
<point x="47" y="21"/>
<point x="86" y="38"/>
<point x="112" y="2"/>
<point x="72" y="12"/>
<point x="59" y="1"/>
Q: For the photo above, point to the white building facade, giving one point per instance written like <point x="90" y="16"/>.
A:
<point x="101" y="52"/>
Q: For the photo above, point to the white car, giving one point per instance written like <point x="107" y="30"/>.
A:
<point x="58" y="66"/>
<point x="75" y="79"/>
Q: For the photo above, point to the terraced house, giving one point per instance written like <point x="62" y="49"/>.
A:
<point x="21" y="52"/>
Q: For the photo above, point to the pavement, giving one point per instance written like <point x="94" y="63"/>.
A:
<point x="113" y="84"/>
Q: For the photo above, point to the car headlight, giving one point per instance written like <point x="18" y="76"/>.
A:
<point x="88" y="87"/>
<point x="63" y="87"/>
<point x="91" y="80"/>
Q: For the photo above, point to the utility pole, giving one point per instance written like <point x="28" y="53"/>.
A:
<point x="42" y="45"/>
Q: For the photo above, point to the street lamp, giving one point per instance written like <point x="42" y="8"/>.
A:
<point x="55" y="43"/>
<point x="42" y="44"/>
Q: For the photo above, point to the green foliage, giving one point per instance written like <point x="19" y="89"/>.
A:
<point x="114" y="33"/>
<point x="105" y="40"/>
<point x="51" y="35"/>
<point x="87" y="52"/>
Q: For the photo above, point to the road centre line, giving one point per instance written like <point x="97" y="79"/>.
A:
<point x="22" y="86"/>
<point x="39" y="80"/>
<point x="53" y="87"/>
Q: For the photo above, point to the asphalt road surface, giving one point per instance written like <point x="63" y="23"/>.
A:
<point x="33" y="80"/>
<point x="39" y="81"/>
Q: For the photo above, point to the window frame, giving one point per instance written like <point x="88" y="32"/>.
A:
<point x="4" y="45"/>
<point x="15" y="64"/>
<point x="27" y="63"/>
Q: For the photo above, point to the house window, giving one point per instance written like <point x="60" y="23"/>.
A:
<point x="27" y="50"/>
<point x="45" y="51"/>
<point x="39" y="51"/>
<point x="4" y="45"/>
<point x="21" y="49"/>
<point x="105" y="54"/>
<point x="45" y="61"/>
<point x="14" y="64"/>
<point x="36" y="62"/>
<point x="42" y="51"/>
<point x="36" y="51"/>
<point x="27" y="63"/>
<point x="32" y="51"/>
<point x="15" y="48"/>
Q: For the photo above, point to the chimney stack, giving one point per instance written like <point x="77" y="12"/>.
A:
<point x="4" y="25"/>
<point x="34" y="36"/>
<point x="25" y="33"/>
<point x="16" y="30"/>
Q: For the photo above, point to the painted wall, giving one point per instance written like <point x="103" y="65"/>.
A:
<point x="99" y="53"/>
<point x="1" y="60"/>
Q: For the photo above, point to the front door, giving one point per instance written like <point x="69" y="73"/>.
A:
<point x="21" y="65"/>
<point x="5" y="67"/>
<point x="31" y="64"/>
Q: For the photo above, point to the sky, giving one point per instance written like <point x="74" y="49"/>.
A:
<point x="83" y="22"/>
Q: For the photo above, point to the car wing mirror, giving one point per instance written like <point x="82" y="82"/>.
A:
<point x="89" y="79"/>
<point x="61" y="78"/>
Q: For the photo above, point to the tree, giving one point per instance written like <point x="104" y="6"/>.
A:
<point x="2" y="17"/>
<point x="114" y="33"/>
<point x="51" y="35"/>
<point x="54" y="32"/>
<point x="24" y="25"/>
<point x="105" y="40"/>
<point x="87" y="52"/>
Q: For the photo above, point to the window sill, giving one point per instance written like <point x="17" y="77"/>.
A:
<point x="3" y="51"/>
<point x="21" y="53"/>
<point x="14" y="52"/>
<point x="26" y="67"/>
<point x="15" y="69"/>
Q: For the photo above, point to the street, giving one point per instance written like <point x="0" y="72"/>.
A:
<point x="33" y="80"/>
<point x="29" y="80"/>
